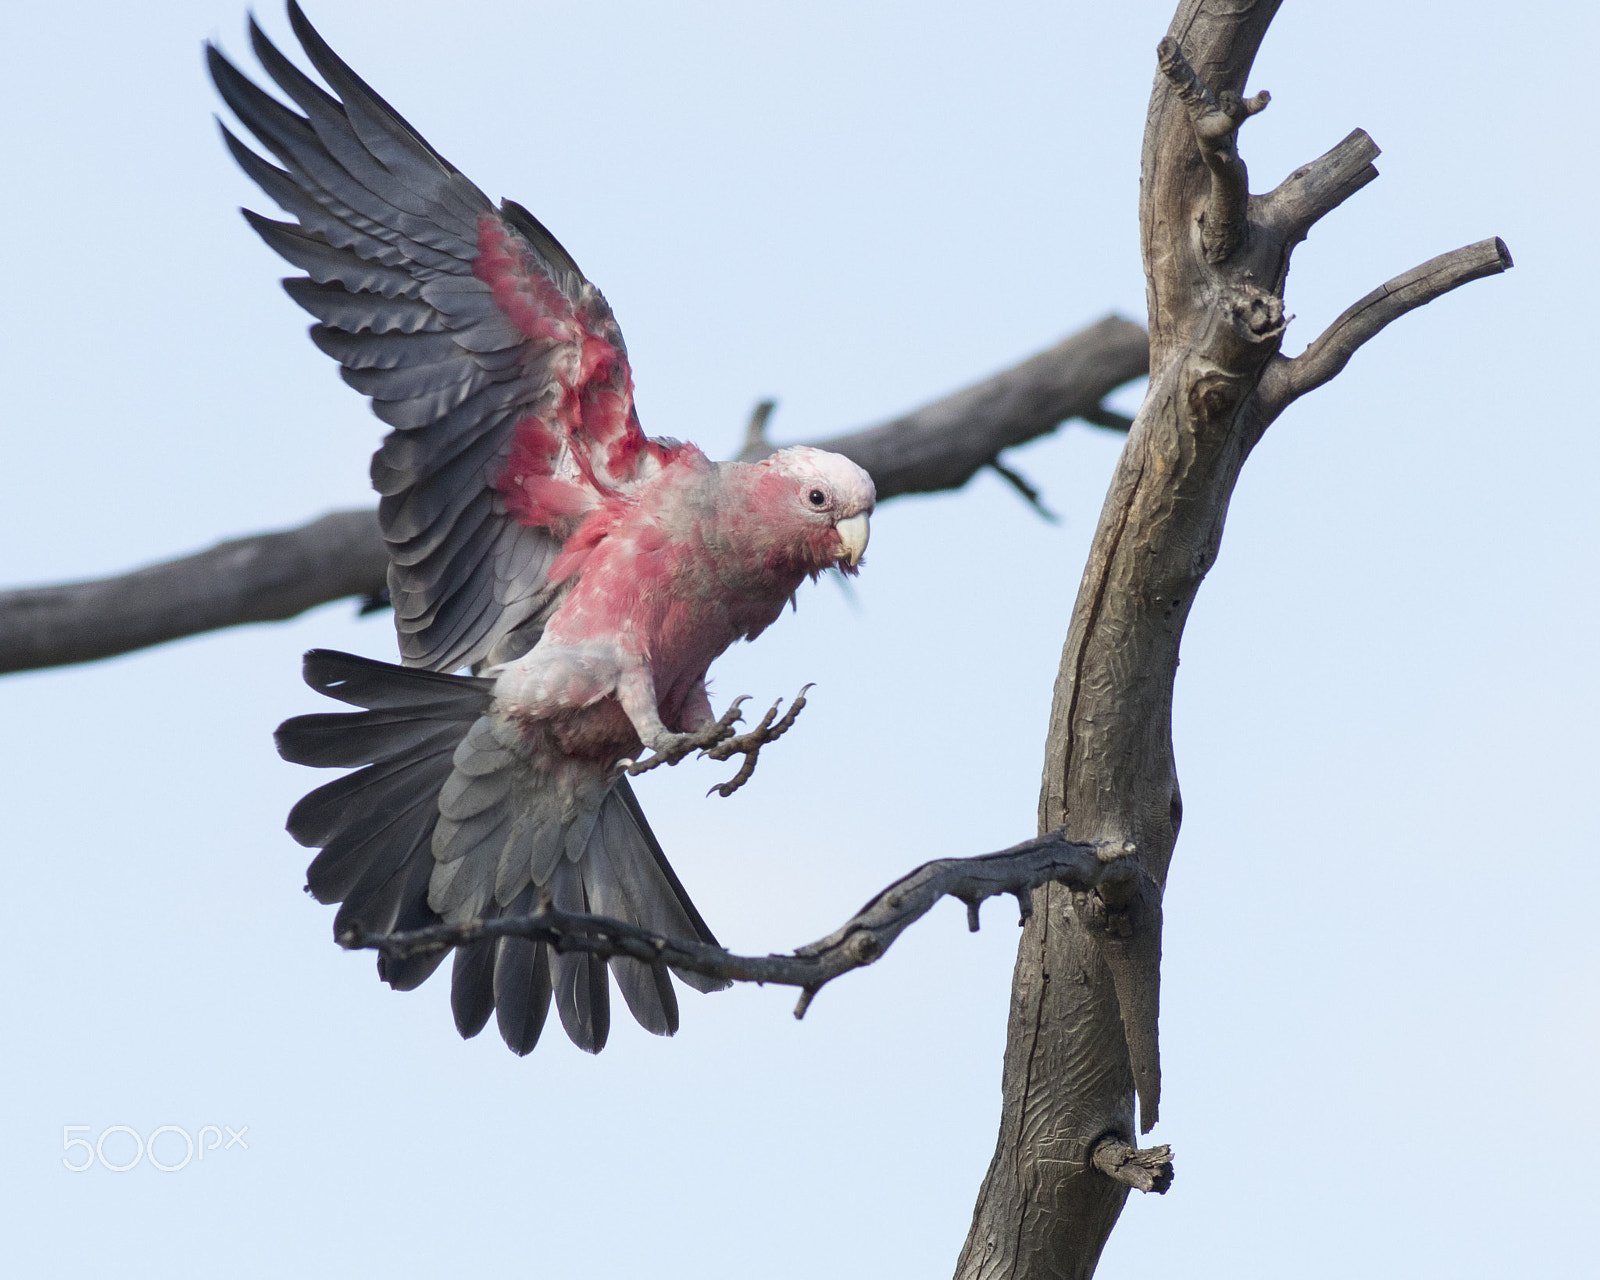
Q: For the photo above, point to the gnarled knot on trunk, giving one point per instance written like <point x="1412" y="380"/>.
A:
<point x="1213" y="394"/>
<point x="1113" y="908"/>
<point x="1112" y="920"/>
<point x="1245" y="333"/>
<point x="1239" y="109"/>
<point x="1257" y="315"/>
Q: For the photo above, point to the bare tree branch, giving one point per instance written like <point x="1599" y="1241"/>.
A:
<point x="1286" y="380"/>
<point x="274" y="576"/>
<point x="1143" y="1169"/>
<point x="267" y="578"/>
<point x="858" y="942"/>
<point x="944" y="444"/>
<point x="1216" y="118"/>
<point x="1315" y="190"/>
<point x="1026" y="489"/>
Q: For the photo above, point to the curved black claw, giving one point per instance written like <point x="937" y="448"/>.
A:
<point x="750" y="744"/>
<point x="683" y="743"/>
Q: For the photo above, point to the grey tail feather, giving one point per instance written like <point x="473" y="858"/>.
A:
<point x="627" y="876"/>
<point x="519" y="981"/>
<point x="583" y="994"/>
<point x="375" y="826"/>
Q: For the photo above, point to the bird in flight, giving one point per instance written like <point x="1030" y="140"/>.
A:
<point x="561" y="582"/>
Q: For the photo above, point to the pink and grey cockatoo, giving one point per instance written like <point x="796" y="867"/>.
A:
<point x="586" y="574"/>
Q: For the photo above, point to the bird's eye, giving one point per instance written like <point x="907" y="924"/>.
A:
<point x="817" y="498"/>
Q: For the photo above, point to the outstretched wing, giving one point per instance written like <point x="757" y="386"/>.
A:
<point x="500" y="368"/>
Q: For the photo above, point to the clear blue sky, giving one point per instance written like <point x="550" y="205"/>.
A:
<point x="1380" y="1020"/>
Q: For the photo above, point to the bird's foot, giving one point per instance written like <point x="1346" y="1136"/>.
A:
<point x="669" y="748"/>
<point x="771" y="728"/>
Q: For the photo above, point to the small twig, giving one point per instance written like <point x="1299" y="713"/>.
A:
<point x="1029" y="493"/>
<point x="755" y="434"/>
<point x="1146" y="1169"/>
<point x="1110" y="419"/>
<point x="1286" y="380"/>
<point x="1216" y="118"/>
<point x="860" y="941"/>
<point x="1025" y="905"/>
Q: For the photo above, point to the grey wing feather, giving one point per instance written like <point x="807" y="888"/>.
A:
<point x="388" y="233"/>
<point x="340" y="308"/>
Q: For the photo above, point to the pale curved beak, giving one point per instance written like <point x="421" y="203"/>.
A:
<point x="853" y="533"/>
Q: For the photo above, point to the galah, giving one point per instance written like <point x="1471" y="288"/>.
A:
<point x="586" y="574"/>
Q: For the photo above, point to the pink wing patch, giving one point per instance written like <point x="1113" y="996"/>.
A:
<point x="582" y="446"/>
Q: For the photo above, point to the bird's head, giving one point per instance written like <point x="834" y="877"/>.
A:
<point x="822" y="501"/>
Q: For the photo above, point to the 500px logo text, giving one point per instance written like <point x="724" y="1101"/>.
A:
<point x="168" y="1147"/>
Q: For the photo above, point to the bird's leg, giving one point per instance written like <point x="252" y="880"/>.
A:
<point x="636" y="691"/>
<point x="715" y="738"/>
<point x="771" y="728"/>
<point x="697" y="713"/>
<point x="667" y="747"/>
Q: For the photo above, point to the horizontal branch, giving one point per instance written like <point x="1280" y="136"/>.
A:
<point x="274" y="576"/>
<point x="944" y="444"/>
<point x="858" y="942"/>
<point x="1286" y="380"/>
<point x="267" y="578"/>
<point x="1144" y="1169"/>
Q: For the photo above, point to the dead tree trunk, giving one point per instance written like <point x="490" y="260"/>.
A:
<point x="1082" y="1036"/>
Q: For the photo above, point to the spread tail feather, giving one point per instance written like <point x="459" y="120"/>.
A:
<point x="376" y="828"/>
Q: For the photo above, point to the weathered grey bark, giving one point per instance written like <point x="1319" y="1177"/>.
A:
<point x="1082" y="1035"/>
<point x="277" y="575"/>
